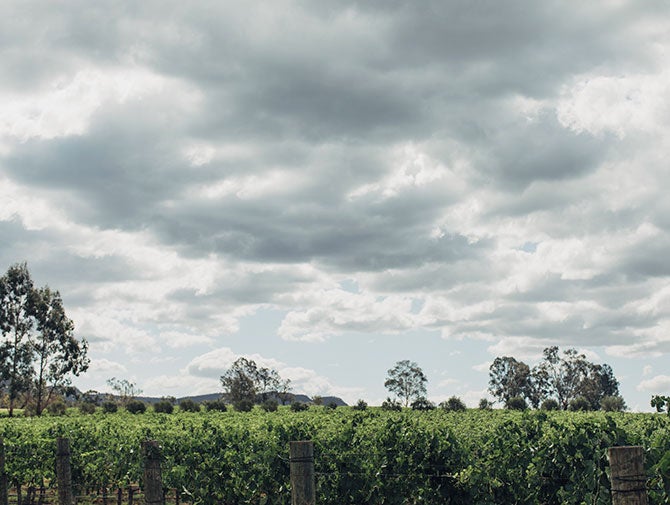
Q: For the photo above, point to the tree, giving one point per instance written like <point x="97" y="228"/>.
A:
<point x="125" y="390"/>
<point x="509" y="378"/>
<point x="571" y="376"/>
<point x="17" y="321"/>
<point x="58" y="354"/>
<point x="245" y="381"/>
<point x="407" y="381"/>
<point x="38" y="348"/>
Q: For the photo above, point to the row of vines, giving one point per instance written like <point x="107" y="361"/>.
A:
<point x="362" y="457"/>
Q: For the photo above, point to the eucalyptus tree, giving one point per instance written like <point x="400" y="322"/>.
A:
<point x="407" y="381"/>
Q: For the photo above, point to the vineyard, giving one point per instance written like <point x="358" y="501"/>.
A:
<point x="361" y="457"/>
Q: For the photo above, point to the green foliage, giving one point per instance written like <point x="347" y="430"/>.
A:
<point x="57" y="407"/>
<point x="136" y="407"/>
<point x="579" y="403"/>
<point x="407" y="381"/>
<point x="299" y="406"/>
<point x="188" y="405"/>
<point x="360" y="405"/>
<point x="216" y="405"/>
<point x="391" y="405"/>
<point x="164" y="407"/>
<point x="372" y="456"/>
<point x="485" y="404"/>
<point x="516" y="403"/>
<point x="270" y="405"/>
<point x="87" y="408"/>
<point x="661" y="403"/>
<point x="453" y="404"/>
<point x="550" y="404"/>
<point x="109" y="407"/>
<point x="243" y="405"/>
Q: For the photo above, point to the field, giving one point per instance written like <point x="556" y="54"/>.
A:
<point x="361" y="457"/>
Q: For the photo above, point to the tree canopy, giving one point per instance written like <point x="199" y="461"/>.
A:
<point x="565" y="378"/>
<point x="247" y="383"/>
<point x="407" y="381"/>
<point x="38" y="350"/>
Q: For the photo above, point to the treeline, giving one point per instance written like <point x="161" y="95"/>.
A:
<point x="566" y="381"/>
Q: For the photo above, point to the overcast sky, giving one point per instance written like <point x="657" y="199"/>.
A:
<point x="331" y="187"/>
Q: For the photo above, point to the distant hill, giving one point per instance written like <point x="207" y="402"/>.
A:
<point x="325" y="400"/>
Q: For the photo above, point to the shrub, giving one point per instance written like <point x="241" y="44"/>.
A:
<point x="299" y="406"/>
<point x="136" y="407"/>
<point x="188" y="405"/>
<point x="331" y="405"/>
<point x="422" y="404"/>
<point x="360" y="405"/>
<point x="87" y="408"/>
<point x="270" y="405"/>
<point x="550" y="404"/>
<point x="244" y="405"/>
<point x="613" y="404"/>
<point x="218" y="405"/>
<point x="57" y="408"/>
<point x="109" y="407"/>
<point x="516" y="403"/>
<point x="164" y="406"/>
<point x="391" y="405"/>
<point x="579" y="403"/>
<point x="453" y="404"/>
<point x="485" y="404"/>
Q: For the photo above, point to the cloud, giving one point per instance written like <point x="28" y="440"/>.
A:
<point x="657" y="384"/>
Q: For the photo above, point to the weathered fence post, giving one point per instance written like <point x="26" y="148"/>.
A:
<point x="153" y="483"/>
<point x="63" y="471"/>
<point x="303" y="489"/>
<point x="4" y="491"/>
<point x="629" y="482"/>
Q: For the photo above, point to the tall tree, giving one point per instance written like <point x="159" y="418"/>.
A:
<point x="17" y="321"/>
<point x="38" y="349"/>
<point x="246" y="381"/>
<point x="509" y="378"/>
<point x="58" y="354"/>
<point x="407" y="381"/>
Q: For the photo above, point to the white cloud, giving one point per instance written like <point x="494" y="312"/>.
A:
<point x="659" y="384"/>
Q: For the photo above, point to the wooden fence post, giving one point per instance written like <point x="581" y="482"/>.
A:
<point x="4" y="491"/>
<point x="64" y="471"/>
<point x="628" y="479"/>
<point x="303" y="489"/>
<point x="153" y="482"/>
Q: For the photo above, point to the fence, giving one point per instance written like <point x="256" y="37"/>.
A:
<point x="627" y="475"/>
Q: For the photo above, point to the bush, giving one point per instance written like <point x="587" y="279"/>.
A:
<point x="613" y="404"/>
<point x="360" y="405"/>
<point x="136" y="407"/>
<point x="87" y="408"/>
<point x="57" y="408"/>
<point x="109" y="407"/>
<point x="579" y="403"/>
<point x="164" y="406"/>
<point x="422" y="404"/>
<point x="485" y="404"/>
<point x="331" y="405"/>
<point x="244" y="405"/>
<point x="188" y="405"/>
<point x="270" y="405"/>
<point x="516" y="403"/>
<point x="299" y="406"/>
<point x="550" y="404"/>
<point x="453" y="404"/>
<point x="391" y="405"/>
<point x="218" y="405"/>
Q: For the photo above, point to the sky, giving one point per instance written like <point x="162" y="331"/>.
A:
<point x="331" y="187"/>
